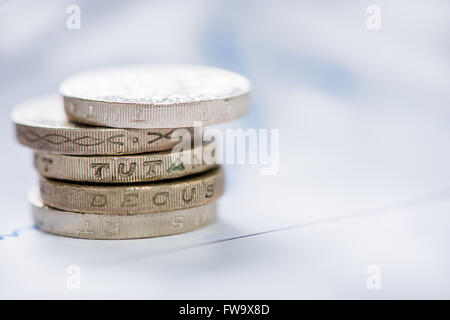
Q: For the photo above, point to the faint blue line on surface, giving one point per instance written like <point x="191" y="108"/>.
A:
<point x="16" y="232"/>
<point x="442" y="194"/>
<point x="423" y="199"/>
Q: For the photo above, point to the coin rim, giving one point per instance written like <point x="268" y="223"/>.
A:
<point x="172" y="115"/>
<point x="38" y="208"/>
<point x="22" y="124"/>
<point x="80" y="193"/>
<point x="69" y="172"/>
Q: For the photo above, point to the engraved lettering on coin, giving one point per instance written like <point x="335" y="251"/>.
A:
<point x="47" y="162"/>
<point x="118" y="169"/>
<point x="126" y="173"/>
<point x="98" y="168"/>
<point x="138" y="116"/>
<point x="112" y="227"/>
<point x="152" y="166"/>
<point x="160" y="198"/>
<point x="209" y="190"/>
<point x="138" y="198"/>
<point x="42" y="125"/>
<point x="123" y="226"/>
<point x="176" y="222"/>
<point x="155" y="96"/>
<point x="176" y="165"/>
<point x="129" y="200"/>
<point x="98" y="200"/>
<point x="188" y="196"/>
<point x="86" y="230"/>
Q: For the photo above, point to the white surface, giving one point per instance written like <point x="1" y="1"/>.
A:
<point x="364" y="127"/>
<point x="324" y="259"/>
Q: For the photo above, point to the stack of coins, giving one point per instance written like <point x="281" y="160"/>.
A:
<point x="116" y="153"/>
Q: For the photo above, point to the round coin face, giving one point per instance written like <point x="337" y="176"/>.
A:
<point x="43" y="112"/>
<point x="155" y="96"/>
<point x="41" y="124"/>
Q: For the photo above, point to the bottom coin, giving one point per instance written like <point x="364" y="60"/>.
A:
<point x="113" y="226"/>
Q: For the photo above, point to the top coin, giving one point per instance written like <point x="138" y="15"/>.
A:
<point x="155" y="96"/>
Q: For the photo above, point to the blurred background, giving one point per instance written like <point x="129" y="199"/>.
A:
<point x="362" y="106"/>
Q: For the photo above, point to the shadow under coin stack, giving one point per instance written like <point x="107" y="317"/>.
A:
<point x="107" y="154"/>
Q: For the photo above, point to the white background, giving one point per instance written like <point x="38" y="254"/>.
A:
<point x="364" y="165"/>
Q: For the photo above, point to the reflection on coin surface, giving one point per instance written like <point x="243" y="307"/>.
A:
<point x="155" y="96"/>
<point x="126" y="169"/>
<point x="113" y="226"/>
<point x="41" y="124"/>
<point x="160" y="196"/>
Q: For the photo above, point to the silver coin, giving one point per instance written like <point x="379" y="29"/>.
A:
<point x="42" y="125"/>
<point x="150" y="197"/>
<point x="107" y="226"/>
<point x="155" y="96"/>
<point x="125" y="169"/>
